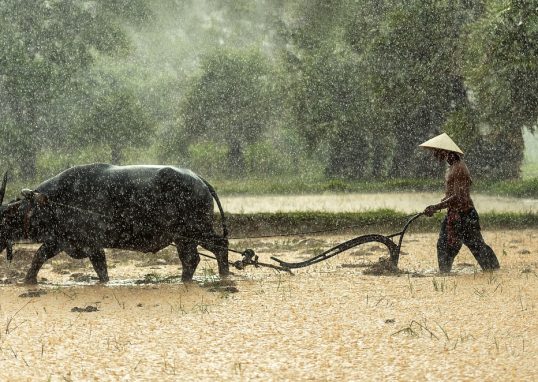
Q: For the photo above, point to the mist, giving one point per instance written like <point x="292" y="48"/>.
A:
<point x="320" y="90"/>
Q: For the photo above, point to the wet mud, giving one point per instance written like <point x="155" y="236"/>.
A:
<point x="332" y="321"/>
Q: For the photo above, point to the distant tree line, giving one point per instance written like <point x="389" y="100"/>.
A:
<point x="268" y="87"/>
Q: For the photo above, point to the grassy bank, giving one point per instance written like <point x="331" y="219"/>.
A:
<point x="380" y="221"/>
<point x="522" y="188"/>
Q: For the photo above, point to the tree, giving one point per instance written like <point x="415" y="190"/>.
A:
<point x="45" y="45"/>
<point x="502" y="71"/>
<point x="411" y="54"/>
<point x="324" y="87"/>
<point x="330" y="109"/>
<point x="229" y="102"/>
<point x="117" y="121"/>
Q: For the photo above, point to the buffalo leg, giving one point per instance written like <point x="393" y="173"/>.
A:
<point x="219" y="247"/>
<point x="189" y="259"/>
<point x="45" y="252"/>
<point x="98" y="261"/>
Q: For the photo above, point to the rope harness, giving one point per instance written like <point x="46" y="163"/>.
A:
<point x="249" y="258"/>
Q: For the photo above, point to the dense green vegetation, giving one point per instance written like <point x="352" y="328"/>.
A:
<point x="332" y="94"/>
<point x="527" y="188"/>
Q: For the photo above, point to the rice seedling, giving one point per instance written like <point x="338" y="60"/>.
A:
<point x="410" y="286"/>
<point x="179" y="307"/>
<point x="438" y="285"/>
<point x="121" y="304"/>
<point x="444" y="284"/>
<point x="415" y="329"/>
<point x="9" y="328"/>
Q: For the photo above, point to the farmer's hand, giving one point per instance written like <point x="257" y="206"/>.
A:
<point x="430" y="210"/>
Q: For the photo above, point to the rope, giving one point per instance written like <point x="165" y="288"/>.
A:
<point x="317" y="231"/>
<point x="245" y="237"/>
<point x="249" y="257"/>
<point x="241" y="264"/>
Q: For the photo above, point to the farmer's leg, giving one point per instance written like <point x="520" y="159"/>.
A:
<point x="446" y="253"/>
<point x="472" y="238"/>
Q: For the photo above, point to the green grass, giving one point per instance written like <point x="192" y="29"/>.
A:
<point x="289" y="185"/>
<point x="529" y="170"/>
<point x="521" y="188"/>
<point x="525" y="188"/>
<point x="381" y="221"/>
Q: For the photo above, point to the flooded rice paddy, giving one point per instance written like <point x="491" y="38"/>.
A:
<point x="328" y="322"/>
<point x="408" y="202"/>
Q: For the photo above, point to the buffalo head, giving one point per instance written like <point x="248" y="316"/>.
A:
<point x="15" y="216"/>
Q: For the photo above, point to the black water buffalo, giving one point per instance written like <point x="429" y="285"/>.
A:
<point x="88" y="208"/>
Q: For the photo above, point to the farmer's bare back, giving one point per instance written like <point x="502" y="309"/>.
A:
<point x="458" y="187"/>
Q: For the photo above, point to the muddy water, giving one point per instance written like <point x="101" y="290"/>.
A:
<point x="404" y="202"/>
<point x="327" y="322"/>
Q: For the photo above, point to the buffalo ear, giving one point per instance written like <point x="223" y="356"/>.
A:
<point x="34" y="196"/>
<point x="41" y="199"/>
<point x="27" y="194"/>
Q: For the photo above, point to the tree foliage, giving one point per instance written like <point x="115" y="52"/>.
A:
<point x="229" y="102"/>
<point x="412" y="60"/>
<point x="503" y="73"/>
<point x="45" y="44"/>
<point x="357" y="84"/>
<point x="117" y="121"/>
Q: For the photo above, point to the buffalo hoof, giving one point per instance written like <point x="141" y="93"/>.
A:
<point x="187" y="274"/>
<point x="226" y="275"/>
<point x="30" y="280"/>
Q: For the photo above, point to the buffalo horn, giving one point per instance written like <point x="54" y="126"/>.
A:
<point x="9" y="251"/>
<point x="3" y="188"/>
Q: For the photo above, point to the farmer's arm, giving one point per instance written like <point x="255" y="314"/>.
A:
<point x="457" y="188"/>
<point x="445" y="203"/>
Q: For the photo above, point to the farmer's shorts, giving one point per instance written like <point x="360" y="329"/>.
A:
<point x="463" y="228"/>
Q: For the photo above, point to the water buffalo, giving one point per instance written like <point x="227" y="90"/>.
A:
<point x="88" y="208"/>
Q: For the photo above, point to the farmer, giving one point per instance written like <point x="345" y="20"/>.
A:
<point x="461" y="224"/>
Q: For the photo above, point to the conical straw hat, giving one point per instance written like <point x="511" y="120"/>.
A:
<point x="442" y="142"/>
